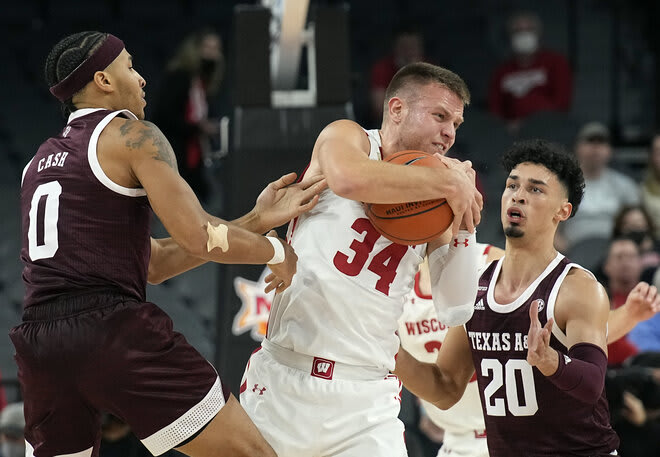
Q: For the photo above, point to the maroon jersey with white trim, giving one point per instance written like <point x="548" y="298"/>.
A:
<point x="80" y="231"/>
<point x="525" y="413"/>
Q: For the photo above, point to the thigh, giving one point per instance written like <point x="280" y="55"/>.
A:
<point x="58" y="419"/>
<point x="277" y="400"/>
<point x="154" y="379"/>
<point x="230" y="432"/>
<point x="370" y="425"/>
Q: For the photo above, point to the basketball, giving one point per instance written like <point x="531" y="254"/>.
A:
<point x="413" y="222"/>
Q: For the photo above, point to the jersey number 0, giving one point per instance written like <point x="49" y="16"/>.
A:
<point x="47" y="213"/>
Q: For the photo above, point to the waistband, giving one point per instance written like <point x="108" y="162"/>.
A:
<point x="321" y="367"/>
<point x="70" y="305"/>
<point x="465" y="434"/>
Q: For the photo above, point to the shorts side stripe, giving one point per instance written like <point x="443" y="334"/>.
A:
<point x="189" y="423"/>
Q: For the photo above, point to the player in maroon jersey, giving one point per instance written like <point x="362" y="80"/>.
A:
<point x="89" y="342"/>
<point x="538" y="335"/>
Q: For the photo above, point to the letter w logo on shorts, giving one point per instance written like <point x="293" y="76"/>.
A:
<point x="322" y="368"/>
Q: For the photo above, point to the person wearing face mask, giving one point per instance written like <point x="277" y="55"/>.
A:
<point x="193" y="75"/>
<point x="534" y="79"/>
<point x="12" y="424"/>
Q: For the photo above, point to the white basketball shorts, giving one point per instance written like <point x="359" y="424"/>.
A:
<point x="313" y="407"/>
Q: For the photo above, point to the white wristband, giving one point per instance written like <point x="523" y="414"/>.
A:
<point x="278" y="257"/>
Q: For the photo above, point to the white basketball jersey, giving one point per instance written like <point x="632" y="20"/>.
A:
<point x="421" y="334"/>
<point x="348" y="292"/>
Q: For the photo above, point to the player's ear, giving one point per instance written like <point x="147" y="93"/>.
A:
<point x="564" y="211"/>
<point x="395" y="109"/>
<point x="102" y="80"/>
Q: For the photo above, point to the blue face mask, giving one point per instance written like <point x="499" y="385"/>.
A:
<point x="12" y="449"/>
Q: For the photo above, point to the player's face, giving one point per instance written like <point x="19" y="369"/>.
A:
<point x="429" y="119"/>
<point x="129" y="85"/>
<point x="533" y="201"/>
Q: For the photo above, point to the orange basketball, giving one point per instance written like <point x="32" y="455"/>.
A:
<point x="413" y="222"/>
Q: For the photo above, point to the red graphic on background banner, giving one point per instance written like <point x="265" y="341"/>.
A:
<point x="255" y="306"/>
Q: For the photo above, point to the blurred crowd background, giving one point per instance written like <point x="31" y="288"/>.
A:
<point x="580" y="72"/>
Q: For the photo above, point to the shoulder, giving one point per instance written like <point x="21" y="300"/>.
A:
<point x="345" y="130"/>
<point x="129" y="136"/>
<point x="120" y="127"/>
<point x="581" y="294"/>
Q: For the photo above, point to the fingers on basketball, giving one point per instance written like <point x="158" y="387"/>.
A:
<point x="412" y="223"/>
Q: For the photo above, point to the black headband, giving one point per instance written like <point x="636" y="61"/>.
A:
<point x="84" y="72"/>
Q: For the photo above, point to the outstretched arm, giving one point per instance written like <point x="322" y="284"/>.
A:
<point x="281" y="201"/>
<point x="138" y="152"/>
<point x="642" y="303"/>
<point x="444" y="382"/>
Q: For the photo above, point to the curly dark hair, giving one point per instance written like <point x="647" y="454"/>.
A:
<point x="555" y="158"/>
<point x="65" y="57"/>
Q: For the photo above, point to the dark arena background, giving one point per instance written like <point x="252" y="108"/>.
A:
<point x="292" y="67"/>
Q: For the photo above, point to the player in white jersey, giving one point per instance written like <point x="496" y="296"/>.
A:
<point x="320" y="385"/>
<point x="421" y="335"/>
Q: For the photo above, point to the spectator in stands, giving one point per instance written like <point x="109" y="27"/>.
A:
<point x="651" y="183"/>
<point x="181" y="110"/>
<point x="407" y="47"/>
<point x="606" y="190"/>
<point x="533" y="79"/>
<point x="12" y="425"/>
<point x="622" y="268"/>
<point x="633" y="221"/>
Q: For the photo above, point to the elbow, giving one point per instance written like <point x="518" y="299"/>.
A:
<point x="592" y="395"/>
<point x="194" y="243"/>
<point x="155" y="275"/>
<point x="449" y="398"/>
<point x="346" y="188"/>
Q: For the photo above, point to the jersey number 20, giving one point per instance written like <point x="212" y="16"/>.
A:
<point x="47" y="214"/>
<point x="509" y="375"/>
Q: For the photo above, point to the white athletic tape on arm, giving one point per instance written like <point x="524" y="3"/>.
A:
<point x="278" y="257"/>
<point x="217" y="237"/>
<point x="454" y="278"/>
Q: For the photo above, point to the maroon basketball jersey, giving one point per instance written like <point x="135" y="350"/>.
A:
<point x="80" y="231"/>
<point x="525" y="413"/>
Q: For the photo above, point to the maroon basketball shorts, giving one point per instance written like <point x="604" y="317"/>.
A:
<point x="81" y="356"/>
